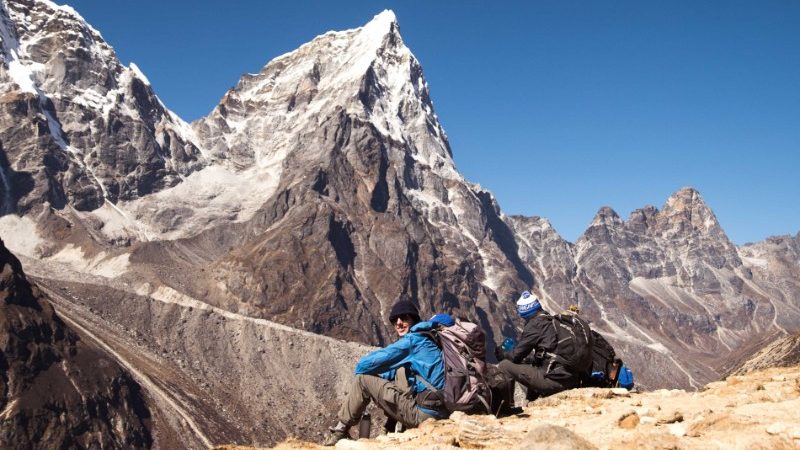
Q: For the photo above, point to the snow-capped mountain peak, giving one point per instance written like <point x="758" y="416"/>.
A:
<point x="368" y="70"/>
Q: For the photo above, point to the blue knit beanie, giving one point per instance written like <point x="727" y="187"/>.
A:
<point x="528" y="305"/>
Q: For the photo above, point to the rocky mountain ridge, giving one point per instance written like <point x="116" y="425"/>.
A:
<point x="88" y="128"/>
<point x="784" y="352"/>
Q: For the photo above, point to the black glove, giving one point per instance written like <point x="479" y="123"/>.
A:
<point x="499" y="353"/>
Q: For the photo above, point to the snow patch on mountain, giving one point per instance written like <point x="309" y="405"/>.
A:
<point x="19" y="234"/>
<point x="101" y="264"/>
<point x="665" y="292"/>
<point x="19" y="72"/>
<point x="139" y="73"/>
<point x="209" y="195"/>
<point x="753" y="262"/>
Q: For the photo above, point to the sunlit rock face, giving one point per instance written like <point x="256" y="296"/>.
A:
<point x="76" y="125"/>
<point x="783" y="352"/>
<point x="367" y="206"/>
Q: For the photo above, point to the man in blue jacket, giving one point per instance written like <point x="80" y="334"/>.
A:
<point x="421" y="358"/>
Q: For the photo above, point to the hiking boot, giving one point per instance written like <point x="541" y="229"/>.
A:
<point x="510" y="411"/>
<point x="390" y="426"/>
<point x="334" y="437"/>
<point x="338" y="432"/>
<point x="514" y="410"/>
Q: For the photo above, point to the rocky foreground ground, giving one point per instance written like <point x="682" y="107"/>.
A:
<point x="759" y="410"/>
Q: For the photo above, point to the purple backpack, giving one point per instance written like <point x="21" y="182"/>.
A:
<point x="465" y="382"/>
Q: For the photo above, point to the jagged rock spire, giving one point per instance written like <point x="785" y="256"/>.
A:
<point x="686" y="212"/>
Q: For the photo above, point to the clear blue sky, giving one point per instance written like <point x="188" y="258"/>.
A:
<point x="557" y="107"/>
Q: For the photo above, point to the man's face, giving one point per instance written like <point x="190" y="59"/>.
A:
<point x="403" y="323"/>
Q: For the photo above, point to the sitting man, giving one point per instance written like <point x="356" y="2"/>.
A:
<point x="422" y="360"/>
<point x="531" y="362"/>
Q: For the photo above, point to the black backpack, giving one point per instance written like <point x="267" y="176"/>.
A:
<point x="575" y="342"/>
<point x="605" y="364"/>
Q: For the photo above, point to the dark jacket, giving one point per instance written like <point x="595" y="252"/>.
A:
<point x="539" y="337"/>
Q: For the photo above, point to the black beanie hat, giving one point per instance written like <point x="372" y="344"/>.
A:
<point x="403" y="307"/>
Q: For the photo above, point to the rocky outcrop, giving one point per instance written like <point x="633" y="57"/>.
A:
<point x="757" y="410"/>
<point x="56" y="391"/>
<point x="784" y="352"/>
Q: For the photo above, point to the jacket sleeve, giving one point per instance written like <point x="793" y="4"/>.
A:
<point x="531" y="339"/>
<point x="382" y="360"/>
<point x="389" y="375"/>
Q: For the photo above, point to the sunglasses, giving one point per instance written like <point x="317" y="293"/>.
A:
<point x="404" y="318"/>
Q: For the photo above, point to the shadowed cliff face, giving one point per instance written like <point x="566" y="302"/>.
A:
<point x="55" y="391"/>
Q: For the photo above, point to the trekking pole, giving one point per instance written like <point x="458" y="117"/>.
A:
<point x="497" y="414"/>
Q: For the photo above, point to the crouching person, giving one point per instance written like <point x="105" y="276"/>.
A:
<point x="534" y="361"/>
<point x="422" y="360"/>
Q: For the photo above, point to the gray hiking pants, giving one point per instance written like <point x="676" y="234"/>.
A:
<point x="394" y="401"/>
<point x="532" y="377"/>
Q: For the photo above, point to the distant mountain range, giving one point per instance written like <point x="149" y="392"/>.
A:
<point x="317" y="193"/>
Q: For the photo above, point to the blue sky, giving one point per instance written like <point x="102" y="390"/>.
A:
<point x="557" y="107"/>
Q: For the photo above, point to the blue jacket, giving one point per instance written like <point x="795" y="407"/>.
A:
<point x="417" y="352"/>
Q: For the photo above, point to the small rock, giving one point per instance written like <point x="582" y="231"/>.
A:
<point x="458" y="416"/>
<point x="628" y="421"/>
<point x="671" y="418"/>
<point x="779" y="378"/>
<point x="554" y="438"/>
<point x="776" y="428"/>
<point x="648" y="420"/>
<point x="677" y="429"/>
<point x="474" y="433"/>
<point x="621" y="392"/>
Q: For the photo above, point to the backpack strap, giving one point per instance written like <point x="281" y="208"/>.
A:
<point x="430" y="387"/>
<point x="439" y="395"/>
<point x="432" y="335"/>
<point x="553" y="358"/>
